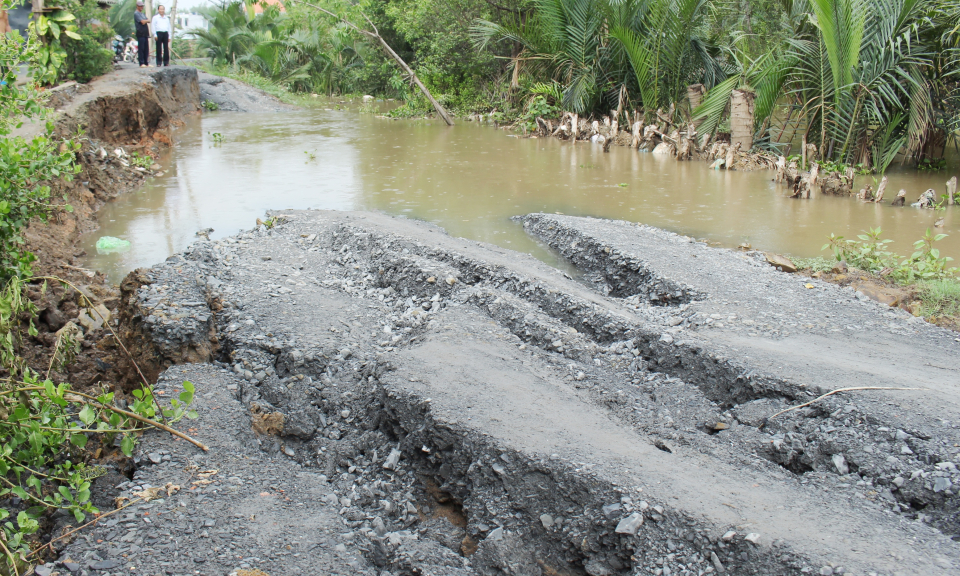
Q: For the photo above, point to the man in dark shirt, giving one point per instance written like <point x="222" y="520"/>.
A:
<point x="141" y="22"/>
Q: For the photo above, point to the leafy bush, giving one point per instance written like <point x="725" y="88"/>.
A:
<point x="26" y="166"/>
<point x="50" y="55"/>
<point x="88" y="57"/>
<point x="868" y="252"/>
<point x="538" y="107"/>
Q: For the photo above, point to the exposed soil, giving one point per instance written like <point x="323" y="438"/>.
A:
<point x="129" y="111"/>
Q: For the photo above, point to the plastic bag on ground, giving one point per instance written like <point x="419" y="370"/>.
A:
<point x="109" y="245"/>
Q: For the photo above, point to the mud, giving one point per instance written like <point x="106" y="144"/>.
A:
<point x="548" y="416"/>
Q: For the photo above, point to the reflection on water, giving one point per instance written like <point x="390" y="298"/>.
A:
<point x="470" y="179"/>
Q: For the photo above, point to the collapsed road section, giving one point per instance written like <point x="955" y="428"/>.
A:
<point x="622" y="423"/>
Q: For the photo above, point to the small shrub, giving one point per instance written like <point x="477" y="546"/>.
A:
<point x="144" y="161"/>
<point x="868" y="252"/>
<point x="88" y="57"/>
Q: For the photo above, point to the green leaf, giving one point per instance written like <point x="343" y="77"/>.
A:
<point x="192" y="415"/>
<point x="73" y="34"/>
<point x="127" y="445"/>
<point x="88" y="415"/>
<point x="78" y="440"/>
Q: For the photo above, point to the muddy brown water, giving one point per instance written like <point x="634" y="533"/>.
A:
<point x="470" y="179"/>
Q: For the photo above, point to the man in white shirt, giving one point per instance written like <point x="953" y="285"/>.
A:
<point x="161" y="33"/>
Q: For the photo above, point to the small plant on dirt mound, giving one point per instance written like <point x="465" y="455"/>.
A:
<point x="47" y="431"/>
<point x="869" y="252"/>
<point x="142" y="161"/>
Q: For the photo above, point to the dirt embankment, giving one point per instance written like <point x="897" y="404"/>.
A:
<point x="129" y="111"/>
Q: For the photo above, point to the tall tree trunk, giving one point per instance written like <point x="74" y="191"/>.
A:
<point x="694" y="96"/>
<point x="741" y="118"/>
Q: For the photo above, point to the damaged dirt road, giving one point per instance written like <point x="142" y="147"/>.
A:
<point x="475" y="411"/>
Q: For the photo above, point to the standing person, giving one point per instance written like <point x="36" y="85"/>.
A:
<point x="142" y="25"/>
<point x="161" y="32"/>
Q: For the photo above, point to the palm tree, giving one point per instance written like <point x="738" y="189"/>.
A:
<point x="563" y="39"/>
<point x="651" y="49"/>
<point x="666" y="49"/>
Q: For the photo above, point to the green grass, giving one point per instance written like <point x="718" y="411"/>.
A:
<point x="940" y="297"/>
<point x="816" y="264"/>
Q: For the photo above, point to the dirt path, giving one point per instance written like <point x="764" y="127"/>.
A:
<point x="553" y="412"/>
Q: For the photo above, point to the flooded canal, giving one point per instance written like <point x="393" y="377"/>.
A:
<point x="470" y="179"/>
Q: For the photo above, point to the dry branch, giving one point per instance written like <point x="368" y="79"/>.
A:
<point x="403" y="65"/>
<point x="832" y="392"/>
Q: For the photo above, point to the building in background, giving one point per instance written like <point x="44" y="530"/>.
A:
<point x="190" y="21"/>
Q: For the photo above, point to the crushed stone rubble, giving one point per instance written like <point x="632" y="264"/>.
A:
<point x="399" y="401"/>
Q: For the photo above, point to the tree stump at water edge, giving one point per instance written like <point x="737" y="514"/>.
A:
<point x="878" y="197"/>
<point x="927" y="200"/>
<point x="951" y="190"/>
<point x="901" y="198"/>
<point x="732" y="152"/>
<point x="741" y="119"/>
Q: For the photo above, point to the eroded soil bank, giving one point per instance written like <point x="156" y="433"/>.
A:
<point x="129" y="113"/>
<point x="457" y="408"/>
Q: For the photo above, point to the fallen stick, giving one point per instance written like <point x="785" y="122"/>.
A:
<point x="818" y="398"/>
<point x="396" y="57"/>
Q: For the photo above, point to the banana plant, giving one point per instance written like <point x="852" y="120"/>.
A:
<point x="50" y="57"/>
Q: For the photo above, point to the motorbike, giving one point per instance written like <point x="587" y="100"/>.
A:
<point x="130" y="52"/>
<point x="118" y="46"/>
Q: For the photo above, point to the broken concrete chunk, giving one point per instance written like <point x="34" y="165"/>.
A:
<point x="753" y="537"/>
<point x="781" y="262"/>
<point x="841" y="463"/>
<point x="630" y="525"/>
<point x="610" y="510"/>
<point x="392" y="460"/>
<point x="94" y="318"/>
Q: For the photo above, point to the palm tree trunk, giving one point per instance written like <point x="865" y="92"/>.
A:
<point x="694" y="96"/>
<point x="741" y="118"/>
